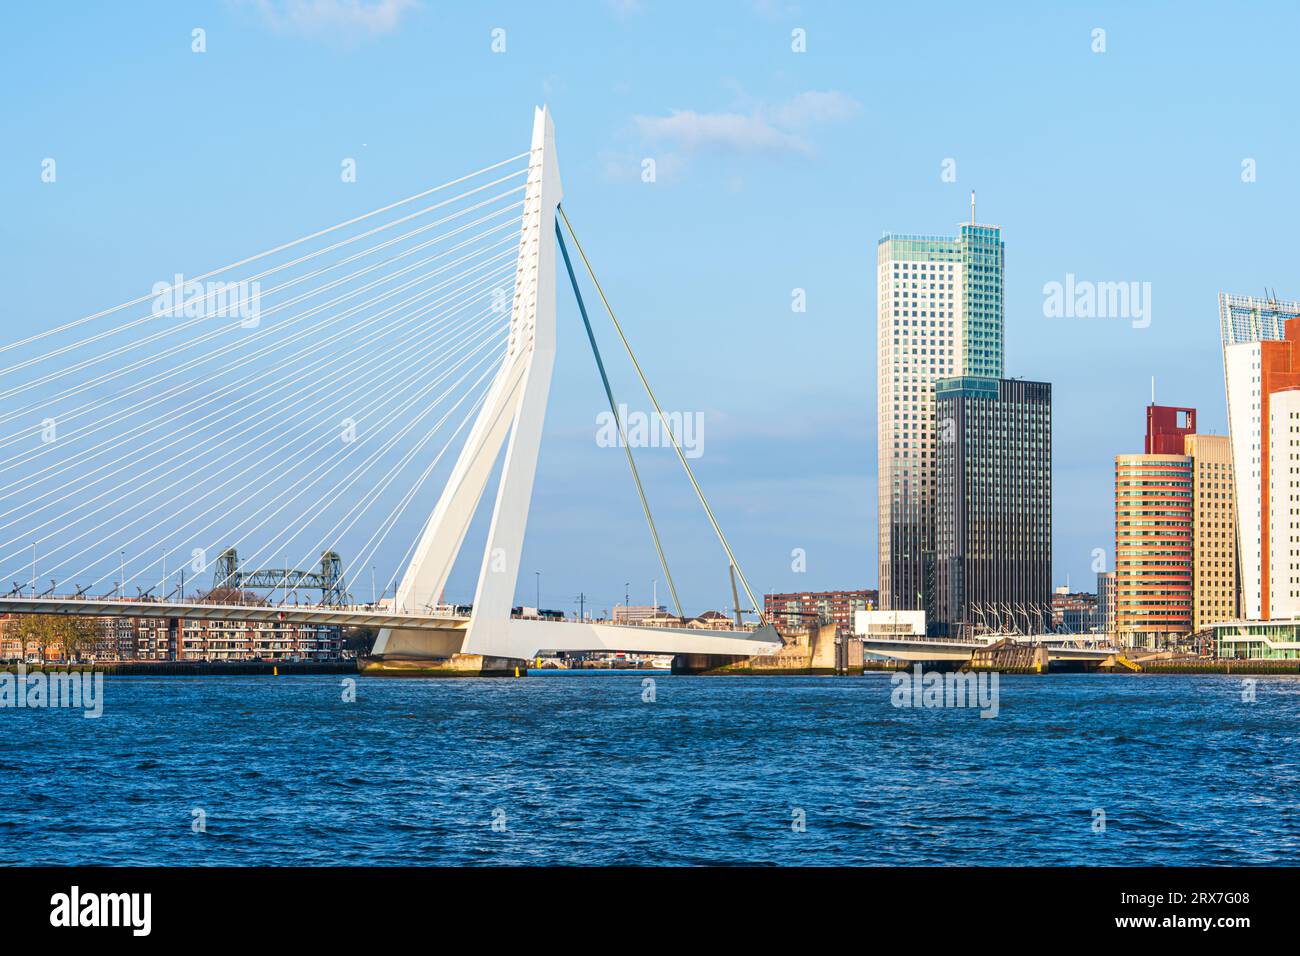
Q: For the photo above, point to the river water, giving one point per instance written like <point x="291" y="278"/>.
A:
<point x="601" y="768"/>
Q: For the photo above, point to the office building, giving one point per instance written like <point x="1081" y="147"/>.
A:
<point x="1214" y="530"/>
<point x="1262" y="379"/>
<point x="1248" y="318"/>
<point x="993" y="506"/>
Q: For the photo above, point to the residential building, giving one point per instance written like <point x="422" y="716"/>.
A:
<point x="939" y="315"/>
<point x="713" y="621"/>
<point x="798" y="609"/>
<point x="11" y="648"/>
<point x="247" y="640"/>
<point x="636" y="613"/>
<point x="1106" y="601"/>
<point x="1153" y="548"/>
<point x="1074" y="612"/>
<point x="993" y="506"/>
<point x="1176" y="567"/>
<point x="1153" y="533"/>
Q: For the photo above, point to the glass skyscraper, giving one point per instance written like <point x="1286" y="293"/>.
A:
<point x="939" y="314"/>
<point x="982" y="255"/>
<point x="993" y="514"/>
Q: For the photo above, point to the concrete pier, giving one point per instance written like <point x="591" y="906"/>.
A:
<point x="457" y="665"/>
<point x="813" y="653"/>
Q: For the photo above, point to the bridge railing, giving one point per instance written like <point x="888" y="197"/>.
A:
<point x="444" y="610"/>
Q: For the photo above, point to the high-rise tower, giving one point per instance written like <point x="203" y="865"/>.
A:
<point x="939" y="314"/>
<point x="1264" y="421"/>
<point x="993" y="514"/>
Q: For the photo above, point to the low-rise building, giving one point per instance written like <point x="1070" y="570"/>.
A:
<point x="889" y="623"/>
<point x="798" y="609"/>
<point x="1074" y="612"/>
<point x="636" y="613"/>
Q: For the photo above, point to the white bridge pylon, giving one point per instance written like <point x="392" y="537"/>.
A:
<point x="512" y="415"/>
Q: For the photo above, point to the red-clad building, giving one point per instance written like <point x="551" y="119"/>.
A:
<point x="1153" y="532"/>
<point x="1167" y="427"/>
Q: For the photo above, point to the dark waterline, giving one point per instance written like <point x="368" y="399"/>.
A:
<point x="415" y="771"/>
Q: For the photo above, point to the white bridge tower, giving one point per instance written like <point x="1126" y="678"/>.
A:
<point x="512" y="415"/>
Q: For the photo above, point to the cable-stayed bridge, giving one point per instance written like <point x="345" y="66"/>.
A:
<point x="316" y="394"/>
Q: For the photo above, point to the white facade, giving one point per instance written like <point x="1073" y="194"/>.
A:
<point x="876" y="623"/>
<point x="919" y="341"/>
<point x="1242" y="367"/>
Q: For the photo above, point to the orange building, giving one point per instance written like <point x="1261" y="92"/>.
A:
<point x="1153" y="548"/>
<point x="1175" y="532"/>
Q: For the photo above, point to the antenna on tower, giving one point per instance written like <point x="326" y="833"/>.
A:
<point x="1153" y="389"/>
<point x="972" y="207"/>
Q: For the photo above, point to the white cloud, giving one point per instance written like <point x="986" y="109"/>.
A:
<point x="729" y="131"/>
<point x="373" y="17"/>
<point x="816" y="106"/>
<point x="780" y="128"/>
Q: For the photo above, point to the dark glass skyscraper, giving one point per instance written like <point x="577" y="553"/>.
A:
<point x="993" y="505"/>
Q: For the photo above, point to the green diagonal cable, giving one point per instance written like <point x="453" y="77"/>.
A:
<point x="613" y="407"/>
<point x="699" y="493"/>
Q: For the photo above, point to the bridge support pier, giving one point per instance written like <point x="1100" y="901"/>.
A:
<point x="819" y="652"/>
<point x="457" y="665"/>
<point x="704" y="663"/>
<point x="434" y="653"/>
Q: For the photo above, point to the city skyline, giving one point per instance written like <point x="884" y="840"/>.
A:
<point x="805" y="132"/>
<point x="856" y="443"/>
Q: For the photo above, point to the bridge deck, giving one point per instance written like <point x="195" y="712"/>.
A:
<point x="301" y="614"/>
<point x="522" y="638"/>
<point x="1059" y="647"/>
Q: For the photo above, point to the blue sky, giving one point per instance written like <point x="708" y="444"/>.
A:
<point x="776" y="170"/>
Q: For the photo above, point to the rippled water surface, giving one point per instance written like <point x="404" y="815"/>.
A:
<point x="582" y="771"/>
